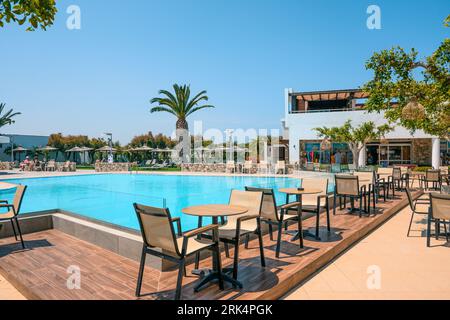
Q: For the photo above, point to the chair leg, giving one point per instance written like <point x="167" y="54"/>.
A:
<point x="410" y="223"/>
<point x="328" y="215"/>
<point x="360" y="206"/>
<point x="227" y="249"/>
<point x="428" y="230"/>
<point x="14" y="230"/>
<point x="20" y="233"/>
<point x="261" y="245"/>
<point x="247" y="239"/>
<point x="141" y="273"/>
<point x="334" y="204"/>
<point x="219" y="266"/>
<point x="179" y="280"/>
<point x="437" y="228"/>
<point x="300" y="231"/>
<point x="271" y="232"/>
<point x="277" y="252"/>
<point x="236" y="259"/>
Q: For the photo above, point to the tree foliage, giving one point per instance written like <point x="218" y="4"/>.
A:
<point x="356" y="138"/>
<point x="36" y="13"/>
<point x="180" y="104"/>
<point x="400" y="77"/>
<point x="158" y="141"/>
<point x="7" y="117"/>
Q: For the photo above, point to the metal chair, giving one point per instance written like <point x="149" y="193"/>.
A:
<point x="158" y="231"/>
<point x="271" y="215"/>
<point x="439" y="213"/>
<point x="433" y="177"/>
<point x="316" y="203"/>
<point x="239" y="226"/>
<point x="418" y="206"/>
<point x="13" y="212"/>
<point x="348" y="186"/>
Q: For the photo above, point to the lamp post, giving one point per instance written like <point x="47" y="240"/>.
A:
<point x="110" y="153"/>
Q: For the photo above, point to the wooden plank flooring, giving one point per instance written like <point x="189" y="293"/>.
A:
<point x="40" y="271"/>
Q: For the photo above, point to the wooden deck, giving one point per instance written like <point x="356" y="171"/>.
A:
<point x="40" y="271"/>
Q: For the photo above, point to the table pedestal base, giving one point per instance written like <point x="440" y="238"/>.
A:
<point x="209" y="275"/>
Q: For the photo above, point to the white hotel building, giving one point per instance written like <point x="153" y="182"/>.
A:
<point x="305" y="111"/>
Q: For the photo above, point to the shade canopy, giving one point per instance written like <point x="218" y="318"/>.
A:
<point x="142" y="149"/>
<point x="47" y="149"/>
<point x="20" y="149"/>
<point x="106" y="149"/>
<point x="79" y="149"/>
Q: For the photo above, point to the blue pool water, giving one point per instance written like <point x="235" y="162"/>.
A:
<point x="110" y="197"/>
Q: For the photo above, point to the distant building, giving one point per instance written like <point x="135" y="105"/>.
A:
<point x="27" y="141"/>
<point x="305" y="111"/>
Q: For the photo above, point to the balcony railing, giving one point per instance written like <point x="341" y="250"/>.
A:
<point x="326" y="110"/>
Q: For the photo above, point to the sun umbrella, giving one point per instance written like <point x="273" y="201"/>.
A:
<point x="143" y="149"/>
<point x="47" y="149"/>
<point x="19" y="150"/>
<point x="74" y="149"/>
<point x="106" y="149"/>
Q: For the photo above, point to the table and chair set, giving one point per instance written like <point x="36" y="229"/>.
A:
<point x="244" y="215"/>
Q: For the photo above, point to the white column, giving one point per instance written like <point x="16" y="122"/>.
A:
<point x="436" y="153"/>
<point x="362" y="157"/>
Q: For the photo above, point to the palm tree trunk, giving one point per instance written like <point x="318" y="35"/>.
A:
<point x="183" y="133"/>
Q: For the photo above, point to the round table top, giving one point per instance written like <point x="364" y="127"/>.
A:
<point x="298" y="192"/>
<point x="6" y="186"/>
<point x="214" y="210"/>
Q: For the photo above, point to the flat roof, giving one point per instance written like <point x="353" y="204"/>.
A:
<point x="328" y="95"/>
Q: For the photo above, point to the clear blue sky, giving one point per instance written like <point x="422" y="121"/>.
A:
<point x="243" y="52"/>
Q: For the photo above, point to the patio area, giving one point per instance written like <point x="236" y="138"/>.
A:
<point x="40" y="271"/>
<point x="408" y="269"/>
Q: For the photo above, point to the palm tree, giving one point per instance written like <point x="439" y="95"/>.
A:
<point x="7" y="118"/>
<point x="179" y="104"/>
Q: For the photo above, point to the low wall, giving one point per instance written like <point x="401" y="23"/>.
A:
<point x="222" y="167"/>
<point x="112" y="167"/>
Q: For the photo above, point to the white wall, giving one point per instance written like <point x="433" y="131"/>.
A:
<point x="301" y="126"/>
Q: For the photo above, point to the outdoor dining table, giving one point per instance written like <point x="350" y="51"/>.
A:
<point x="299" y="193"/>
<point x="214" y="211"/>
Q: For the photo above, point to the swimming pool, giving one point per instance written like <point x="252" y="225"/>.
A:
<point x="109" y="197"/>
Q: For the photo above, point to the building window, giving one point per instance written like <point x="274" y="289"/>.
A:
<point x="388" y="154"/>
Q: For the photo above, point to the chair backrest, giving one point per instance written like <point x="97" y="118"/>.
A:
<point x="440" y="206"/>
<point x="250" y="200"/>
<point x="269" y="205"/>
<point x="385" y="171"/>
<point x="365" y="175"/>
<point x="433" y="175"/>
<point x="347" y="185"/>
<point x="156" y="228"/>
<point x="397" y="173"/>
<point x="444" y="170"/>
<point x="316" y="183"/>
<point x="18" y="197"/>
<point x="410" y="198"/>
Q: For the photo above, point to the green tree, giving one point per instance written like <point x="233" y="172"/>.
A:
<point x="7" y="118"/>
<point x="413" y="93"/>
<point x="180" y="104"/>
<point x="38" y="13"/>
<point x="356" y="138"/>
